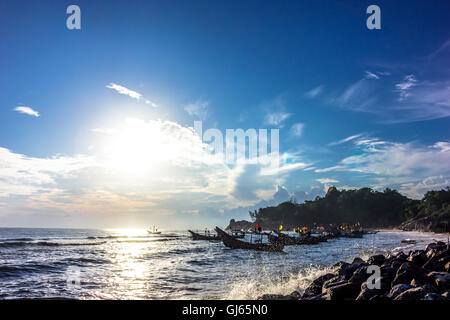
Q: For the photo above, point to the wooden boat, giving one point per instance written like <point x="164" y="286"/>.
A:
<point x="237" y="234"/>
<point x="288" y="240"/>
<point x="233" y="243"/>
<point x="352" y="234"/>
<point x="198" y="236"/>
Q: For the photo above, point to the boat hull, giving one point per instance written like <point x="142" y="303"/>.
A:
<point x="233" y="243"/>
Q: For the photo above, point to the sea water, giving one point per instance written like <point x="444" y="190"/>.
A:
<point x="131" y="264"/>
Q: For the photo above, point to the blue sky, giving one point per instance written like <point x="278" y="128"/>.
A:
<point x="111" y="144"/>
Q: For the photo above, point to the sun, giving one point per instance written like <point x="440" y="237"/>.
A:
<point x="136" y="148"/>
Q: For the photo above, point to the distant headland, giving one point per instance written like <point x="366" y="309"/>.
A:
<point x="372" y="209"/>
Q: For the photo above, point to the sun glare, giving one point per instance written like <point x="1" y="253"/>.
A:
<point x="137" y="148"/>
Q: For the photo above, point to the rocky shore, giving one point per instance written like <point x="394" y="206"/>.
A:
<point x="418" y="275"/>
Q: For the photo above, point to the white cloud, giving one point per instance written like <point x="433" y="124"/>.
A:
<point x="443" y="146"/>
<point x="314" y="92"/>
<point x="370" y="75"/>
<point x="27" y="110"/>
<point x="327" y="181"/>
<point x="198" y="109"/>
<point x="131" y="93"/>
<point x="404" y="87"/>
<point x="417" y="190"/>
<point x="276" y="118"/>
<point x="333" y="168"/>
<point x="297" y="129"/>
<point x="444" y="47"/>
<point x="345" y="139"/>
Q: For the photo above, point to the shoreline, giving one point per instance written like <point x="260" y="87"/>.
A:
<point x="417" y="275"/>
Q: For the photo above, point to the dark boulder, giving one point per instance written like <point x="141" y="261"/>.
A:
<point x="378" y="260"/>
<point x="418" y="257"/>
<point x="358" y="260"/>
<point x="401" y="256"/>
<point x="366" y="293"/>
<point x="343" y="291"/>
<point x="333" y="282"/>
<point x="440" y="280"/>
<point x="434" y="297"/>
<point x="315" y="287"/>
<point x="407" y="272"/>
<point x="360" y="275"/>
<point x="277" y="297"/>
<point x="398" y="289"/>
<point x="412" y="294"/>
<point x="321" y="296"/>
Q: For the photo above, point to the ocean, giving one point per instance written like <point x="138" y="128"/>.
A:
<point x="130" y="264"/>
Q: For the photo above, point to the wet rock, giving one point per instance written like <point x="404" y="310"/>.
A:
<point x="345" y="269"/>
<point x="434" y="297"/>
<point x="343" y="291"/>
<point x="401" y="256"/>
<point x="407" y="272"/>
<point x="315" y="287"/>
<point x="332" y="282"/>
<point x="418" y="257"/>
<point x="434" y="264"/>
<point x="440" y="279"/>
<point x="358" y="260"/>
<point x="416" y="283"/>
<point x="379" y="297"/>
<point x="366" y="293"/>
<point x="321" y="296"/>
<point x="378" y="260"/>
<point x="395" y="264"/>
<point x="277" y="297"/>
<point x="398" y="289"/>
<point x="360" y="275"/>
<point x="412" y="294"/>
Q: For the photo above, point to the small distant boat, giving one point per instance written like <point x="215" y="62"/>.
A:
<point x="233" y="243"/>
<point x="409" y="241"/>
<point x="153" y="230"/>
<point x="198" y="236"/>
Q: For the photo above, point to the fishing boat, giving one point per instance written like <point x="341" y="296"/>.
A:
<point x="153" y="230"/>
<point x="237" y="234"/>
<point x="352" y="234"/>
<point x="233" y="243"/>
<point x="289" y="240"/>
<point x="198" y="236"/>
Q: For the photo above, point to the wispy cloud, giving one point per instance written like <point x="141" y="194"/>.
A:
<point x="198" y="109"/>
<point x="334" y="143"/>
<point x="333" y="168"/>
<point x="405" y="86"/>
<point x="314" y="92"/>
<point x="297" y="129"/>
<point x="131" y="93"/>
<point x="327" y="180"/>
<point x="443" y="48"/>
<point x="371" y="75"/>
<point x="277" y="118"/>
<point x="27" y="110"/>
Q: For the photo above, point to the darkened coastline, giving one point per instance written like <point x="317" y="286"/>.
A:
<point x="370" y="208"/>
<point x="419" y="275"/>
